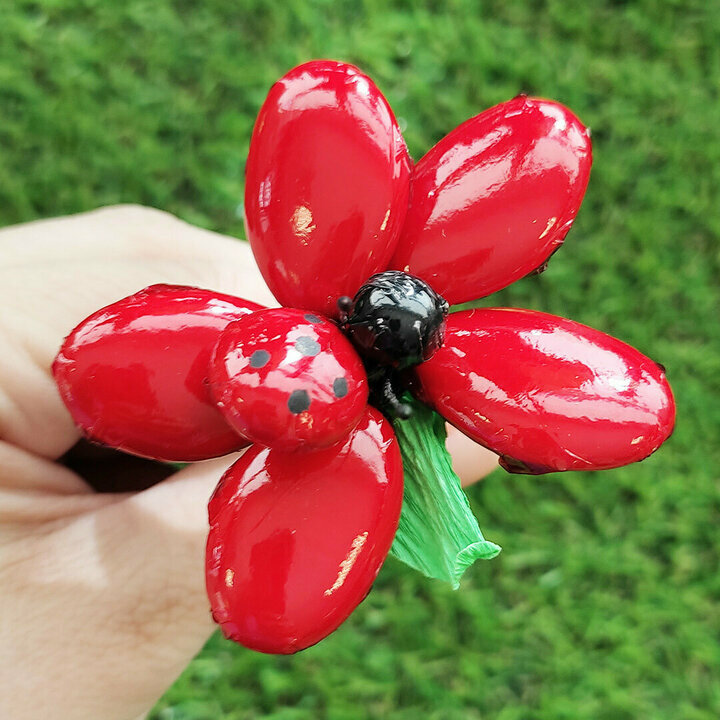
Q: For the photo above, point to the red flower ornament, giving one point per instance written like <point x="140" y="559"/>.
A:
<point x="366" y="250"/>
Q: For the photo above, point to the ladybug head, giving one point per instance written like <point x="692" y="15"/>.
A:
<point x="395" y="319"/>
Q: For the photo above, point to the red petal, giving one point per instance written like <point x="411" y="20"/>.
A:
<point x="492" y="200"/>
<point x="327" y="185"/>
<point x="547" y="393"/>
<point x="288" y="379"/>
<point x="134" y="374"/>
<point x="297" y="539"/>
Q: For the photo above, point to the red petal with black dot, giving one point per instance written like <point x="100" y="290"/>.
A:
<point x="547" y="393"/>
<point x="288" y="379"/>
<point x="495" y="198"/>
<point x="326" y="185"/>
<point x="134" y="375"/>
<point x="297" y="539"/>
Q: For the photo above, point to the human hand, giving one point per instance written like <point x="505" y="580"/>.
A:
<point x="102" y="601"/>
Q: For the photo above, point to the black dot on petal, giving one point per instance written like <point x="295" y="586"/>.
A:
<point x="340" y="387"/>
<point x="314" y="319"/>
<point x="259" y="358"/>
<point x="298" y="402"/>
<point x="305" y="345"/>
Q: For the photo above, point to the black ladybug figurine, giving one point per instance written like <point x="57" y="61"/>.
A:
<point x="394" y="321"/>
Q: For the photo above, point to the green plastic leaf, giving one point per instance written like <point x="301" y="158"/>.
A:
<point x="438" y="534"/>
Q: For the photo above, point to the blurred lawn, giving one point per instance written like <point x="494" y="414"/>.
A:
<point x="605" y="603"/>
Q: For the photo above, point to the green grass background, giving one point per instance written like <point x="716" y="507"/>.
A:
<point x="605" y="603"/>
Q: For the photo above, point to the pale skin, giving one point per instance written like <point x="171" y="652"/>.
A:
<point x="102" y="601"/>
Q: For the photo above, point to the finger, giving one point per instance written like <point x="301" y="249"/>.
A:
<point x="471" y="462"/>
<point x="54" y="273"/>
<point x="35" y="491"/>
<point x="108" y="608"/>
<point x="106" y="470"/>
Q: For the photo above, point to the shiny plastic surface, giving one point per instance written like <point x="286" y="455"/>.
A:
<point x="547" y="393"/>
<point x="396" y="320"/>
<point x="134" y="374"/>
<point x="326" y="185"/>
<point x="494" y="198"/>
<point x="297" y="539"/>
<point x="288" y="379"/>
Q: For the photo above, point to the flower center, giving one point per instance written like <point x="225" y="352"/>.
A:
<point x="394" y="321"/>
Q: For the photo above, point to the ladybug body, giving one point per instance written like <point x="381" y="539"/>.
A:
<point x="397" y="320"/>
<point x="288" y="379"/>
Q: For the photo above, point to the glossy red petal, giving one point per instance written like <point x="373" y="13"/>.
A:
<point x="494" y="198"/>
<point x="296" y="540"/>
<point x="547" y="393"/>
<point x="134" y="375"/>
<point x="326" y="185"/>
<point x="288" y="379"/>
